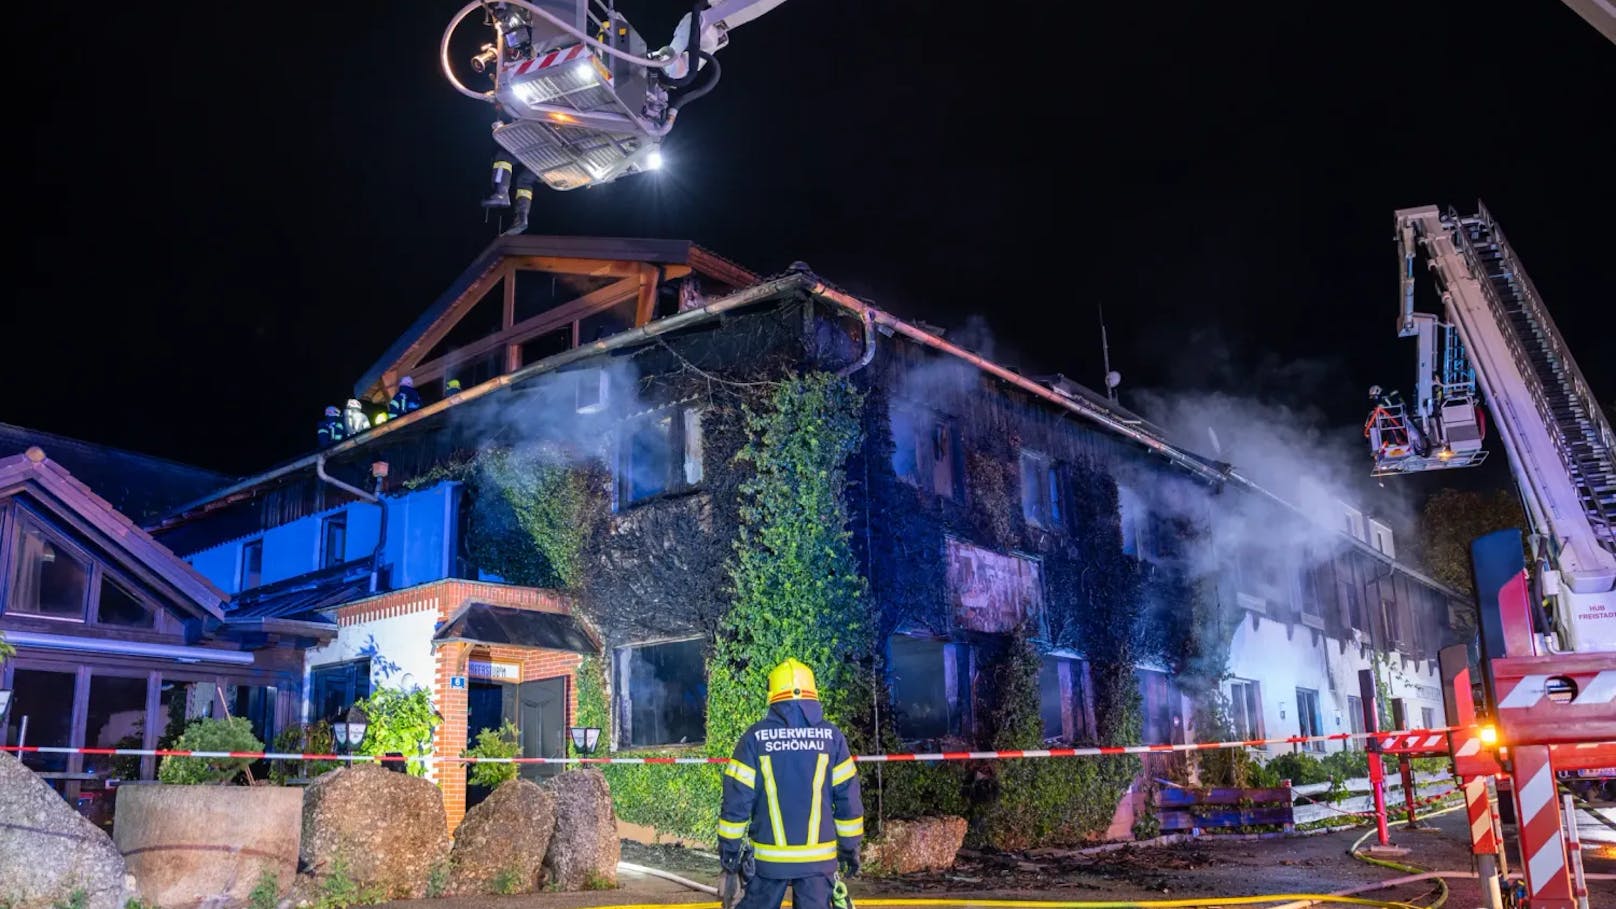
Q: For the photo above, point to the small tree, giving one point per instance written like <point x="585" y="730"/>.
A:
<point x="504" y="742"/>
<point x="400" y="722"/>
<point x="233" y="734"/>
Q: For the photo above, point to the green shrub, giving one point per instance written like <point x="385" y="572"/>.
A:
<point x="1045" y="802"/>
<point x="678" y="800"/>
<point x="1300" y="768"/>
<point x="505" y="742"/>
<point x="233" y="734"/>
<point x="301" y="738"/>
<point x="266" y="893"/>
<point x="507" y="882"/>
<point x="399" y="722"/>
<point x="919" y="789"/>
<point x="1349" y="764"/>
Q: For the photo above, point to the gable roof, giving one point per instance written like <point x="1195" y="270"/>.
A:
<point x="37" y="476"/>
<point x="639" y="263"/>
<point x="140" y="486"/>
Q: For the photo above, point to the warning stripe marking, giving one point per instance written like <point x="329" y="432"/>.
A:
<point x="863" y="758"/>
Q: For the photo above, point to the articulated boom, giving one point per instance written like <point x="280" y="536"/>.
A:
<point x="1498" y="342"/>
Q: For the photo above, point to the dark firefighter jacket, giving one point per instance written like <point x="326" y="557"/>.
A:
<point x="331" y="431"/>
<point x="406" y="400"/>
<point x="792" y="789"/>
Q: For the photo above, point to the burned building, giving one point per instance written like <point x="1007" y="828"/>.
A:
<point x="573" y="500"/>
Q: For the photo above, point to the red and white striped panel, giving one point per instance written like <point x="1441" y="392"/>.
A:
<point x="1414" y="742"/>
<point x="1527" y="715"/>
<point x="1537" y="812"/>
<point x="1482" y="841"/>
<point x="1470" y="757"/>
<point x="554" y="58"/>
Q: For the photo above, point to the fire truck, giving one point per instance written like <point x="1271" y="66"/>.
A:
<point x="1547" y="643"/>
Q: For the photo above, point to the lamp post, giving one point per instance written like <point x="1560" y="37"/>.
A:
<point x="584" y="739"/>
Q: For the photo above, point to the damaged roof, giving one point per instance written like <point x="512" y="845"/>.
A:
<point x="485" y="623"/>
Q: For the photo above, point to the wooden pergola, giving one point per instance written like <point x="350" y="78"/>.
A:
<point x="636" y="270"/>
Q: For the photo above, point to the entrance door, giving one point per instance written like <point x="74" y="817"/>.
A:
<point x="544" y="725"/>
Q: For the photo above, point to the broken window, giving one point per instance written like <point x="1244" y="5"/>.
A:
<point x="1041" y="491"/>
<point x="51" y="580"/>
<point x="926" y="451"/>
<point x="659" y="454"/>
<point x="931" y="687"/>
<point x="1245" y="709"/>
<point x="1130" y="514"/>
<point x="661" y="694"/>
<point x="1309" y="721"/>
<point x="1063" y="701"/>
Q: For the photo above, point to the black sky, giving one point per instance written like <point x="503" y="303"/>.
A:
<point x="228" y="211"/>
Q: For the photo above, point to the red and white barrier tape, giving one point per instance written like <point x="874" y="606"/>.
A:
<point x="863" y="758"/>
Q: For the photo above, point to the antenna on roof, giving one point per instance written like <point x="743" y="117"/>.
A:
<point x="1112" y="379"/>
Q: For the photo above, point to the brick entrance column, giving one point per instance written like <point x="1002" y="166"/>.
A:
<point x="450" y="739"/>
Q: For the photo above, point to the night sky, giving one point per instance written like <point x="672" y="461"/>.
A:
<point x="228" y="211"/>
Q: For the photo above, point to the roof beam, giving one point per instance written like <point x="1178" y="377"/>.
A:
<point x="533" y="326"/>
<point x="566" y="265"/>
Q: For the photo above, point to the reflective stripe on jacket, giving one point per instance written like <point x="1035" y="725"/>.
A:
<point x="792" y="789"/>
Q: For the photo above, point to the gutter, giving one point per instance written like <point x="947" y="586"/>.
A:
<point x="870" y="316"/>
<point x="1089" y="411"/>
<point x="374" y="499"/>
<point x="741" y="298"/>
<point x="177" y="653"/>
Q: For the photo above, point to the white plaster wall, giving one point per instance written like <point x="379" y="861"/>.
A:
<point x="399" y="648"/>
<point x="1282" y="662"/>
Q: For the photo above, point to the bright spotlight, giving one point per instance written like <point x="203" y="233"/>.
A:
<point x="586" y="72"/>
<point x="654" y="160"/>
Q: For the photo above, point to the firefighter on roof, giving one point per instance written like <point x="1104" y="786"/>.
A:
<point x="791" y="794"/>
<point x="331" y="429"/>
<point x="406" y="400"/>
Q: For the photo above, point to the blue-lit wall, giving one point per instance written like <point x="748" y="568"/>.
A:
<point x="420" y="541"/>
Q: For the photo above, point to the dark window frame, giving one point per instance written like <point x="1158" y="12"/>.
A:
<point x="1309" y="706"/>
<point x="624" y="732"/>
<point x="684" y="470"/>
<point x="1046" y="508"/>
<point x="942" y="439"/>
<point x="255" y="544"/>
<point x="98" y="572"/>
<point x="336" y="521"/>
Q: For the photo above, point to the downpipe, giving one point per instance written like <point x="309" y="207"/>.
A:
<point x="373" y="498"/>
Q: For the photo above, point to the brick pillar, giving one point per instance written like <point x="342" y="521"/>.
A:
<point x="450" y="739"/>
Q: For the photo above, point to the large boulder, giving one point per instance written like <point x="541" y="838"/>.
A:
<point x="923" y="844"/>
<point x="386" y="830"/>
<point x="49" y="853"/>
<point x="191" y="846"/>
<point x="584" y="851"/>
<point x="501" y="844"/>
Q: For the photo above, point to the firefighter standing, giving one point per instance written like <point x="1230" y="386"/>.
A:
<point x="406" y="400"/>
<point x="791" y="791"/>
<point x="331" y="429"/>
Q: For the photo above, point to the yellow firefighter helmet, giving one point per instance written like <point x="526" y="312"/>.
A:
<point x="792" y="681"/>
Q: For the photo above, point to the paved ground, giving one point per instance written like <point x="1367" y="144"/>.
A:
<point x="1206" y="867"/>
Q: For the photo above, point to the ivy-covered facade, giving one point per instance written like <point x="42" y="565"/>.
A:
<point x="730" y="470"/>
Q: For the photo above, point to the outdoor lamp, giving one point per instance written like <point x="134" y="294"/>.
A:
<point x="357" y="723"/>
<point x="584" y="738"/>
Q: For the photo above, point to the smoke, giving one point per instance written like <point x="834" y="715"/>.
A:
<point x="1293" y="452"/>
<point x="568" y="413"/>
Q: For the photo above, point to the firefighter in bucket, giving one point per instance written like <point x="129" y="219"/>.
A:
<point x="792" y="811"/>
